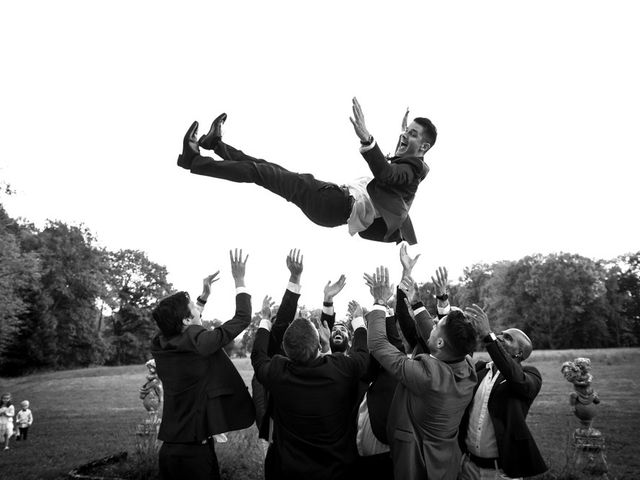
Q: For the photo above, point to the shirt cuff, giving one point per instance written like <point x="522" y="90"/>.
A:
<point x="294" y="287"/>
<point x="366" y="148"/>
<point x="357" y="322"/>
<point x="328" y="310"/>
<point x="445" y="310"/>
<point x="266" y="324"/>
<point x="382" y="308"/>
<point x="240" y="290"/>
<point x="419" y="310"/>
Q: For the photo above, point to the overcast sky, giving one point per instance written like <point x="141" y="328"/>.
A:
<point x="536" y="107"/>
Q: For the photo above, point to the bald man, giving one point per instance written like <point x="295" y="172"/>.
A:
<point x="493" y="432"/>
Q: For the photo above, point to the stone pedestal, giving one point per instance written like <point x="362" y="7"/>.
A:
<point x="147" y="435"/>
<point x="589" y="459"/>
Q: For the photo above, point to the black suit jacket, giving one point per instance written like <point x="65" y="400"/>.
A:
<point x="509" y="402"/>
<point x="203" y="392"/>
<point x="392" y="191"/>
<point x="314" y="406"/>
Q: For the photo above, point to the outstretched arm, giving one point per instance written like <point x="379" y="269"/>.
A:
<point x="330" y="291"/>
<point x="207" y="342"/>
<point x="441" y="282"/>
<point x="289" y="304"/>
<point x="525" y="383"/>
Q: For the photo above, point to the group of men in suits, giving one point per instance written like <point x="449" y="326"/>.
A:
<point x="348" y="400"/>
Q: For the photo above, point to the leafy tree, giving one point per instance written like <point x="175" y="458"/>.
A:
<point x="133" y="286"/>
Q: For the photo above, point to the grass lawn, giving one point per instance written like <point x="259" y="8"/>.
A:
<point x="82" y="415"/>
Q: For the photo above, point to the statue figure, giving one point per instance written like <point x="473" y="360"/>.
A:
<point x="147" y="431"/>
<point x="583" y="399"/>
<point x="589" y="447"/>
<point x="151" y="391"/>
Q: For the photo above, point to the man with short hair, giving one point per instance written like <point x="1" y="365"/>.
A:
<point x="314" y="400"/>
<point x="376" y="209"/>
<point x="494" y="432"/>
<point x="433" y="389"/>
<point x="204" y="394"/>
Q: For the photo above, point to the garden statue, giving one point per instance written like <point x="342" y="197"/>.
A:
<point x="151" y="391"/>
<point x="588" y="458"/>
<point x="147" y="430"/>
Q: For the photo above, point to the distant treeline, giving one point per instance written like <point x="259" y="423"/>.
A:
<point x="65" y="302"/>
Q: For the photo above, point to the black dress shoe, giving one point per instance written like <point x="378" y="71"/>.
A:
<point x="211" y="139"/>
<point x="189" y="147"/>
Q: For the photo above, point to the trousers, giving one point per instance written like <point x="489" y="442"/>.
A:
<point x="324" y="203"/>
<point x="178" y="461"/>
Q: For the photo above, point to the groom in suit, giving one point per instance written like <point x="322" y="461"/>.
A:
<point x="494" y="432"/>
<point x="375" y="208"/>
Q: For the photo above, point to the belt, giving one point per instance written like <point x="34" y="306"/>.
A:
<point x="488" y="463"/>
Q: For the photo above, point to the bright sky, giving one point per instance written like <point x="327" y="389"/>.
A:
<point x="536" y="106"/>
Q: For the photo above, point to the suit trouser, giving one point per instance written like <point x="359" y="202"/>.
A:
<point x="179" y="461"/>
<point x="324" y="203"/>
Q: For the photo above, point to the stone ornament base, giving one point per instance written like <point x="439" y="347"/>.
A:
<point x="589" y="457"/>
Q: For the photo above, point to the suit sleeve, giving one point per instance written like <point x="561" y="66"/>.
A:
<point x="284" y="317"/>
<point x="208" y="342"/>
<point x="260" y="359"/>
<point x="526" y="383"/>
<point x="393" y="173"/>
<point x="409" y="372"/>
<point x="359" y="354"/>
<point x="406" y="323"/>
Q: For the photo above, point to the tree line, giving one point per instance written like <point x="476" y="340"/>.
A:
<point x="65" y="302"/>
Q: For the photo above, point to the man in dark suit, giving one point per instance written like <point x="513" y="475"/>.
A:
<point x="314" y="399"/>
<point x="204" y="394"/>
<point x="376" y="208"/>
<point x="494" y="432"/>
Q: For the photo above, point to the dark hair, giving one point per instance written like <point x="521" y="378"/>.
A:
<point x="170" y="312"/>
<point x="300" y="341"/>
<point x="6" y="394"/>
<point x="430" y="133"/>
<point x="459" y="333"/>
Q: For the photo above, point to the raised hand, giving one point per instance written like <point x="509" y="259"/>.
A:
<point x="358" y="122"/>
<point x="267" y="305"/>
<point x="378" y="284"/>
<point x="238" y="266"/>
<point x="324" y="333"/>
<point x="332" y="289"/>
<point x="407" y="262"/>
<point x="206" y="285"/>
<point x="404" y="120"/>
<point x="294" y="264"/>
<point x="354" y="309"/>
<point x="441" y="281"/>
<point x="410" y="289"/>
<point x="479" y="320"/>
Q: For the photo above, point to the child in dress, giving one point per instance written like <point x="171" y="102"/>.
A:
<point x="7" y="411"/>
<point x="24" y="419"/>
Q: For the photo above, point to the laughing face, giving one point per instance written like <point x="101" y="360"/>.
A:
<point x="411" y="142"/>
<point x="339" y="340"/>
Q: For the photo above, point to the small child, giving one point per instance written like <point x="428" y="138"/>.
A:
<point x="24" y="419"/>
<point x="7" y="411"/>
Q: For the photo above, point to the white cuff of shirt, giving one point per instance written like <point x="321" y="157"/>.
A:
<point x="445" y="310"/>
<point x="420" y="310"/>
<point x="328" y="310"/>
<point x="366" y="148"/>
<point x="382" y="308"/>
<point x="294" y="287"/>
<point x="241" y="290"/>
<point x="266" y="324"/>
<point x="357" y="322"/>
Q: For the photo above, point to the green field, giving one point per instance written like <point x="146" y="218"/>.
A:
<point x="82" y="415"/>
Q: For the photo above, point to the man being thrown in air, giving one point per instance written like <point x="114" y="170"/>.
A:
<point x="375" y="208"/>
